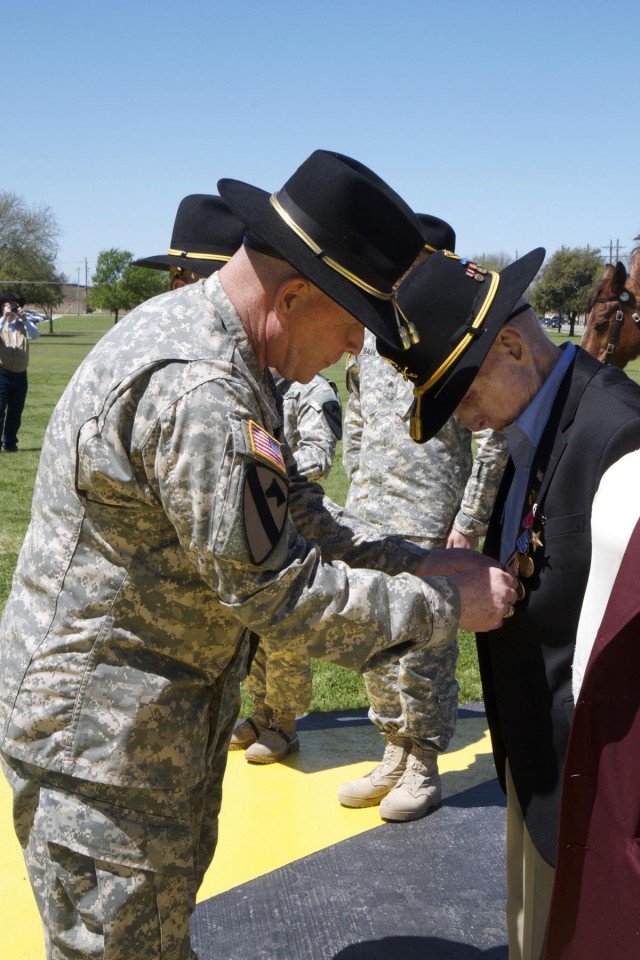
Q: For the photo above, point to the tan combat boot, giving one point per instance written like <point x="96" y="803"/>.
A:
<point x="370" y="790"/>
<point x="247" y="731"/>
<point x="417" y="791"/>
<point x="277" y="741"/>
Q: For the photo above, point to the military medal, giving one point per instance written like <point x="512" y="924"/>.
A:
<point x="474" y="270"/>
<point x="536" y="541"/>
<point x="525" y="565"/>
<point x="521" y="563"/>
<point x="523" y="541"/>
<point x="533" y="539"/>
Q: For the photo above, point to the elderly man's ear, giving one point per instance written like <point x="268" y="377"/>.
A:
<point x="511" y="342"/>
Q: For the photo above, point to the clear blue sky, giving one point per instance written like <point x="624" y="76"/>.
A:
<point x="517" y="122"/>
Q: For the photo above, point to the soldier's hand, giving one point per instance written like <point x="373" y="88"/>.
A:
<point x="446" y="563"/>
<point x="458" y="539"/>
<point x="487" y="596"/>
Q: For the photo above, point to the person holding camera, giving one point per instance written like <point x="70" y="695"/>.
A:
<point x="16" y="330"/>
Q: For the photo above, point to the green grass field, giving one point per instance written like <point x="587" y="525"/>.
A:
<point x="53" y="359"/>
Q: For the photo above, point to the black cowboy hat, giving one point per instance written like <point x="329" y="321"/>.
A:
<point x="457" y="308"/>
<point x="205" y="236"/>
<point x="437" y="233"/>
<point x="343" y="228"/>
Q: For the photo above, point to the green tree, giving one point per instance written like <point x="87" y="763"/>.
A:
<point x="565" y="282"/>
<point x="118" y="285"/>
<point x="28" y="250"/>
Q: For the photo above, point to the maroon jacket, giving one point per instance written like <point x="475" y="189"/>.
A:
<point x="595" y="910"/>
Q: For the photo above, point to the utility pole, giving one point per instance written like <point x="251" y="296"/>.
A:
<point x="78" y="294"/>
<point x="86" y="283"/>
<point x="617" y="253"/>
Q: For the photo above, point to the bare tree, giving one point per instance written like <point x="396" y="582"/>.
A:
<point x="28" y="250"/>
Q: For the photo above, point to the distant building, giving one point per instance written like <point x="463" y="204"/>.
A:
<point x="74" y="299"/>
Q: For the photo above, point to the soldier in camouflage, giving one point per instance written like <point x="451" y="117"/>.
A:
<point x="205" y="235"/>
<point x="280" y="679"/>
<point x="437" y="496"/>
<point x="165" y="526"/>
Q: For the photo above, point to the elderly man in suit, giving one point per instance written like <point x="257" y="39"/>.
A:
<point x="482" y="353"/>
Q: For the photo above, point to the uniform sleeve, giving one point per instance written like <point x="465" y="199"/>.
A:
<point x="319" y="427"/>
<point x="223" y="484"/>
<point x="353" y="424"/>
<point x="482" y="486"/>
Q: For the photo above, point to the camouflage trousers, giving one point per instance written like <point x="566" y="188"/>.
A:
<point x="281" y="678"/>
<point x="417" y="696"/>
<point x="115" y="870"/>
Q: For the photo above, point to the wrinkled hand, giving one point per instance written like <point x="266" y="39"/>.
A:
<point x="446" y="563"/>
<point x="487" y="596"/>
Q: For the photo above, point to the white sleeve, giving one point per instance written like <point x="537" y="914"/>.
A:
<point x="614" y="514"/>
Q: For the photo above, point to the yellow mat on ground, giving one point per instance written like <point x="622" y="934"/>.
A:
<point x="271" y="816"/>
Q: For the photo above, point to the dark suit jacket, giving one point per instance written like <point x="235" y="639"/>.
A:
<point x="595" y="908"/>
<point x="525" y="666"/>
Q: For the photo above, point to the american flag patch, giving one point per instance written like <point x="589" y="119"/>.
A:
<point x="265" y="445"/>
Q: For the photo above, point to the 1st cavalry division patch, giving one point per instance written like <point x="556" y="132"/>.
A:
<point x="265" y="495"/>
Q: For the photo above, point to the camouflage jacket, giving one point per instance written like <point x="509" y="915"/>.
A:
<point x="418" y="491"/>
<point x="163" y="525"/>
<point x="312" y="423"/>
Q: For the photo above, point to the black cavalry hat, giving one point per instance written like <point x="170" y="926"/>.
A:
<point x="205" y="235"/>
<point x="343" y="228"/>
<point x="438" y="234"/>
<point x="9" y="297"/>
<point x="457" y="308"/>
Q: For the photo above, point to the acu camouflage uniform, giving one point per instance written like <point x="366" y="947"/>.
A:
<point x="312" y="425"/>
<point x="164" y="526"/>
<point x="418" y="492"/>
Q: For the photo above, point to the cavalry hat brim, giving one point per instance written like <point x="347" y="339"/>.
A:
<point x="205" y="236"/>
<point x="165" y="261"/>
<point x="253" y="206"/>
<point x="438" y="298"/>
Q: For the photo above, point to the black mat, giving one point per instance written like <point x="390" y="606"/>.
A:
<point x="428" y="890"/>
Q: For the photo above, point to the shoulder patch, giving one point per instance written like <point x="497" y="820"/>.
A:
<point x="266" y="446"/>
<point x="265" y="497"/>
<point x="333" y="415"/>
